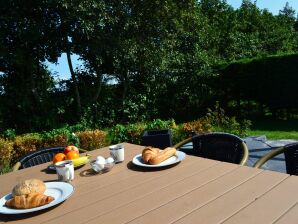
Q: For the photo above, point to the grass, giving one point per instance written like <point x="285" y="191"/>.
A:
<point x="275" y="129"/>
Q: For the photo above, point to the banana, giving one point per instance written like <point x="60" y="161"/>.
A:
<point x="81" y="160"/>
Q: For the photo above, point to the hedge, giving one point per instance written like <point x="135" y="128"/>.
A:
<point x="13" y="149"/>
<point x="261" y="84"/>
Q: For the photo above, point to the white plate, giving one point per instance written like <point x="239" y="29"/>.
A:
<point x="59" y="190"/>
<point x="137" y="160"/>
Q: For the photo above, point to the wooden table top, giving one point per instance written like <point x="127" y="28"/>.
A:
<point x="196" y="190"/>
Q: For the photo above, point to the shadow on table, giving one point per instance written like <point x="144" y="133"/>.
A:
<point x="24" y="216"/>
<point x="90" y="172"/>
<point x="134" y="167"/>
<point x="48" y="171"/>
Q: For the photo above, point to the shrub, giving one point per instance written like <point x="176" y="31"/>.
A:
<point x="178" y="134"/>
<point x="117" y="134"/>
<point x="199" y="126"/>
<point x="215" y="120"/>
<point x="58" y="140"/>
<point x="91" y="140"/>
<point x="6" y="168"/>
<point x="160" y="124"/>
<point x="134" y="132"/>
<point x="221" y="122"/>
<point x="6" y="152"/>
<point x="25" y="144"/>
<point x="59" y="137"/>
<point x="9" y="134"/>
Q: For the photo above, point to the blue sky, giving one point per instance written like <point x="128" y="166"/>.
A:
<point x="272" y="5"/>
<point x="61" y="68"/>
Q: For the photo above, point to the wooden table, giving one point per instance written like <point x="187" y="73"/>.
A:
<point x="195" y="191"/>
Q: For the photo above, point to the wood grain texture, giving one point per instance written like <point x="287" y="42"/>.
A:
<point x="289" y="217"/>
<point x="198" y="197"/>
<point x="233" y="201"/>
<point x="271" y="206"/>
<point x="196" y="190"/>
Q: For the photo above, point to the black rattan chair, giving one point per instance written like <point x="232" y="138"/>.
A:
<point x="291" y="157"/>
<point x="218" y="146"/>
<point x="38" y="157"/>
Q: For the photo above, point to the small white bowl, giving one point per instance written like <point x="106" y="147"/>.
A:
<point x="101" y="168"/>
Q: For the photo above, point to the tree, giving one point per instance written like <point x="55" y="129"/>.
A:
<point x="288" y="12"/>
<point x="27" y="39"/>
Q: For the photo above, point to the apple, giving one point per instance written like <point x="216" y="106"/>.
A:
<point x="70" y="148"/>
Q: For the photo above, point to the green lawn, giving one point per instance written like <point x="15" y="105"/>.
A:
<point x="275" y="129"/>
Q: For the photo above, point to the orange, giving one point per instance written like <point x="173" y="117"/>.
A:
<point x="58" y="157"/>
<point x="72" y="155"/>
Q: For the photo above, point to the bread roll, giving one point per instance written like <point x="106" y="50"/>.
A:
<point x="162" y="156"/>
<point x="149" y="152"/>
<point x="29" y="186"/>
<point x="31" y="200"/>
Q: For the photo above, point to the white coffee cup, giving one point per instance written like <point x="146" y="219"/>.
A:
<point x="117" y="152"/>
<point x="65" y="170"/>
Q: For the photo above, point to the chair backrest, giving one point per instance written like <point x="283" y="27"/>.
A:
<point x="219" y="146"/>
<point x="157" y="138"/>
<point x="291" y="158"/>
<point x="40" y="156"/>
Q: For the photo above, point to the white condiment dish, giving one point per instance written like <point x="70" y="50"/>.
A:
<point x="101" y="166"/>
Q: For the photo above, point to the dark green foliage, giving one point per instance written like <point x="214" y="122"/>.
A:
<point x="160" y="55"/>
<point x="267" y="85"/>
<point x="67" y="133"/>
<point x="133" y="132"/>
<point x="9" y="134"/>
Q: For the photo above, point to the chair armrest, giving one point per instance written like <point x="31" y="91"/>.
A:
<point x="268" y="156"/>
<point x="16" y="166"/>
<point x="82" y="150"/>
<point x="179" y="144"/>
<point x="245" y="154"/>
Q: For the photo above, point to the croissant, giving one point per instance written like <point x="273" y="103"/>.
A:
<point x="163" y="155"/>
<point x="149" y="152"/>
<point x="30" y="200"/>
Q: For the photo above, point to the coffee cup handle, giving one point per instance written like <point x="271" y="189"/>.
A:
<point x="69" y="175"/>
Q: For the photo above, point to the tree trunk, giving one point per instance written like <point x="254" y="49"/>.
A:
<point x="98" y="86"/>
<point x="32" y="82"/>
<point x="75" y="84"/>
<point x="124" y="79"/>
<point x="125" y="87"/>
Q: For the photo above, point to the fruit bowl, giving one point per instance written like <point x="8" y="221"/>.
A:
<point x="77" y="163"/>
<point x="101" y="168"/>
